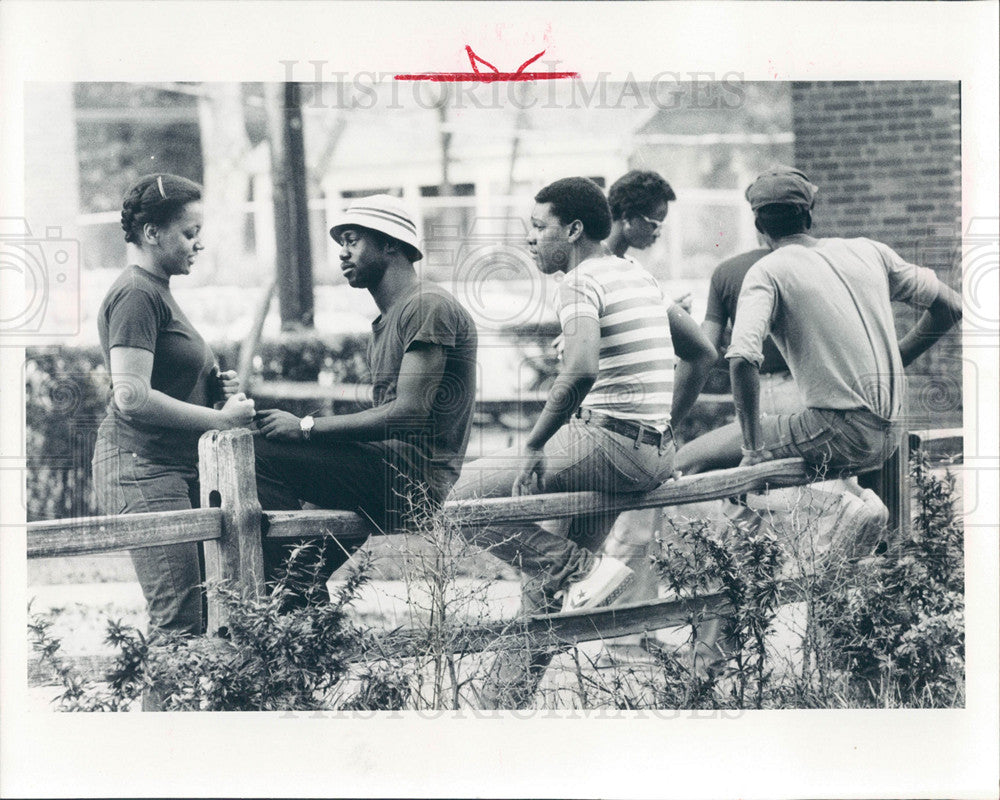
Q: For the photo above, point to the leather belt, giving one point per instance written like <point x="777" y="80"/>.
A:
<point x="639" y="433"/>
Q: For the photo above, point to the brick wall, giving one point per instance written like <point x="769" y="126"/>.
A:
<point x="887" y="158"/>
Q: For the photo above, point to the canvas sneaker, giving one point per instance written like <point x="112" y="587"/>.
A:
<point x="862" y="523"/>
<point x="607" y="580"/>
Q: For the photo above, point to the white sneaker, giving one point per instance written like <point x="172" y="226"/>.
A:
<point x="862" y="523"/>
<point x="607" y="580"/>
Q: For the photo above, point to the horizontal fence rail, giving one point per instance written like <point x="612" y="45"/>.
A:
<point x="77" y="537"/>
<point x="556" y="631"/>
<point x="716" y="485"/>
<point x="233" y="531"/>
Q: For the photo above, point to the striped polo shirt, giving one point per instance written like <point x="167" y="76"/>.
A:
<point x="635" y="369"/>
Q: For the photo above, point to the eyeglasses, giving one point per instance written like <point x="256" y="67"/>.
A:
<point x="656" y="224"/>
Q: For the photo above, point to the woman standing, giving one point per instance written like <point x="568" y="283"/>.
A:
<point x="164" y="382"/>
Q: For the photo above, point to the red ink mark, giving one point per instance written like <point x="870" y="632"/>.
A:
<point x="494" y="76"/>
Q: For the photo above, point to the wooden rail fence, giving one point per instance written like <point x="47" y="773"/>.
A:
<point x="231" y="524"/>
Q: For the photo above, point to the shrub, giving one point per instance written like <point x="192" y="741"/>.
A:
<point x="740" y="559"/>
<point x="271" y="658"/>
<point x="303" y="356"/>
<point x="897" y="628"/>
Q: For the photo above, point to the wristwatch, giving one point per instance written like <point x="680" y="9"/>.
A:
<point x="306" y="426"/>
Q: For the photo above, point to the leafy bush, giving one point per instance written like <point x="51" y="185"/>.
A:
<point x="303" y="356"/>
<point x="273" y="657"/>
<point x="897" y="629"/>
<point x="739" y="559"/>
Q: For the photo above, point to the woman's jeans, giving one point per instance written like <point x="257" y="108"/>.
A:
<point x="172" y="575"/>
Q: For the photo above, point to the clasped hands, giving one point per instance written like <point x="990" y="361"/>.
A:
<point x="239" y="412"/>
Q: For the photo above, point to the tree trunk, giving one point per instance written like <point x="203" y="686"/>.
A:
<point x="225" y="146"/>
<point x="293" y="259"/>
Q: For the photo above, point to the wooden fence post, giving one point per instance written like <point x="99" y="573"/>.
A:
<point x="901" y="502"/>
<point x="228" y="481"/>
<point x="891" y="482"/>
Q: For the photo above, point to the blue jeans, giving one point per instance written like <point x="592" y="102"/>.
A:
<point x="171" y="576"/>
<point x="855" y="440"/>
<point x="581" y="457"/>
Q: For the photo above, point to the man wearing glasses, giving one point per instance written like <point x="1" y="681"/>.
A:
<point x="639" y="203"/>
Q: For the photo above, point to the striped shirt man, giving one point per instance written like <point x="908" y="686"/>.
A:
<point x="636" y="354"/>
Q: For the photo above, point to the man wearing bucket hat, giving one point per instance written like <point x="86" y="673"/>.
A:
<point x="826" y="303"/>
<point x="394" y="462"/>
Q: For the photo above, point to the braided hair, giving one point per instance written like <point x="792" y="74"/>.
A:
<point x="156" y="198"/>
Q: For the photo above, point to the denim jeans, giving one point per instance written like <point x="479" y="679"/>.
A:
<point x="171" y="576"/>
<point x="633" y="532"/>
<point x="371" y="478"/>
<point x="581" y="457"/>
<point x="854" y="440"/>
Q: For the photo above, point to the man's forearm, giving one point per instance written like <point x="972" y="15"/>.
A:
<point x="932" y="325"/>
<point x="565" y="397"/>
<point x="388" y="421"/>
<point x="745" y="377"/>
<point x="689" y="378"/>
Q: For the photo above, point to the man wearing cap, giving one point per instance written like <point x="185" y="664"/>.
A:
<point x="395" y="462"/>
<point x="826" y="303"/>
<point x="778" y="392"/>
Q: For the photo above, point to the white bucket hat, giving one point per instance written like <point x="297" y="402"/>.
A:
<point x="385" y="214"/>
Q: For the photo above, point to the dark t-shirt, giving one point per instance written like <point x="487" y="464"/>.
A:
<point x="724" y="294"/>
<point x="429" y="315"/>
<point x="139" y="311"/>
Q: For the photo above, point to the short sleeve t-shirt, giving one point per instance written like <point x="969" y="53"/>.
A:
<point x="724" y="294"/>
<point x="827" y="305"/>
<point x="635" y="364"/>
<point x="429" y="315"/>
<point x="139" y="311"/>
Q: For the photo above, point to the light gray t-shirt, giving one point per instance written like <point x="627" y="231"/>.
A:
<point x="828" y="308"/>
